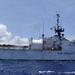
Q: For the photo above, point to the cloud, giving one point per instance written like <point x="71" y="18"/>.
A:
<point x="4" y="33"/>
<point x="19" y="40"/>
<point x="5" y="36"/>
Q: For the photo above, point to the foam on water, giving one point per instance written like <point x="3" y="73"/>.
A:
<point x="47" y="71"/>
<point x="66" y="73"/>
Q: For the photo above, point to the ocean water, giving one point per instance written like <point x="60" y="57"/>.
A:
<point x="11" y="67"/>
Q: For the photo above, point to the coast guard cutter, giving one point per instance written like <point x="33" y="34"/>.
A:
<point x="52" y="48"/>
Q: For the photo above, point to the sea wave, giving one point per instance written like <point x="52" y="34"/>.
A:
<point x="49" y="71"/>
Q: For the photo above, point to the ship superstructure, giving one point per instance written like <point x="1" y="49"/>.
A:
<point x="52" y="48"/>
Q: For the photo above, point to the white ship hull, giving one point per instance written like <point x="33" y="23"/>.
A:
<point x="36" y="55"/>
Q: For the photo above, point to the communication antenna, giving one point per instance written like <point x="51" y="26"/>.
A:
<point x="43" y="26"/>
<point x="43" y="37"/>
<point x="39" y="30"/>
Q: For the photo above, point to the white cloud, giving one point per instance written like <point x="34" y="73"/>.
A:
<point x="19" y="40"/>
<point x="4" y="33"/>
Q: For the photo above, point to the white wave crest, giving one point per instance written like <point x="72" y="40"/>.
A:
<point x="66" y="73"/>
<point x="46" y="71"/>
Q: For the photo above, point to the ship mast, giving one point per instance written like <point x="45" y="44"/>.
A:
<point x="58" y="28"/>
<point x="43" y="37"/>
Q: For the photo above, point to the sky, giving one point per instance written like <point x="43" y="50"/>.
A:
<point x="22" y="19"/>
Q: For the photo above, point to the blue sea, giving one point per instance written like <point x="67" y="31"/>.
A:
<point x="12" y="67"/>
